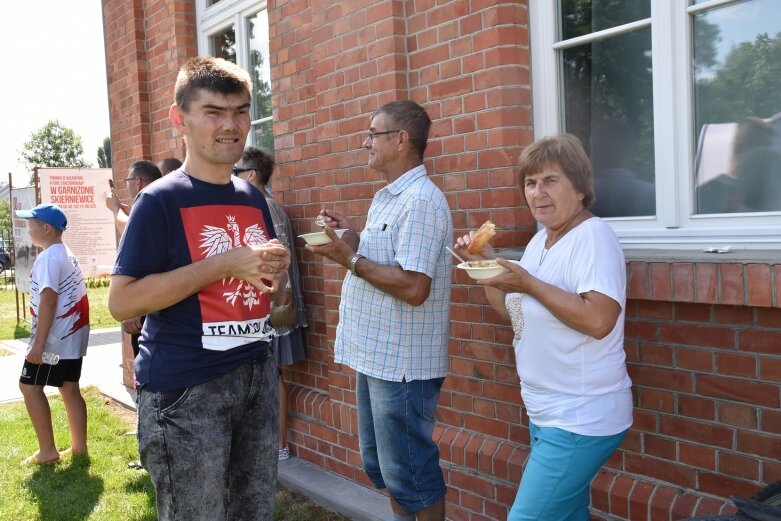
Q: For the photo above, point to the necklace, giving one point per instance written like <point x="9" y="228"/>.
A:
<point x="564" y="230"/>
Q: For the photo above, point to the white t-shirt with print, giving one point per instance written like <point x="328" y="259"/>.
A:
<point x="571" y="380"/>
<point x="57" y="268"/>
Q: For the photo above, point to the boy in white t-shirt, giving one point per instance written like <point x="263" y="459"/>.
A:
<point x="60" y="331"/>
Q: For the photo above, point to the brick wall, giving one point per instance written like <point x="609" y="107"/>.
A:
<point x="143" y="54"/>
<point x="701" y="336"/>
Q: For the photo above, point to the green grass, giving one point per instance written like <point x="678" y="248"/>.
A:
<point x="99" y="487"/>
<point x="9" y="329"/>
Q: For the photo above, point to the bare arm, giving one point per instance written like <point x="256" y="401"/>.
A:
<point x="590" y="313"/>
<point x="409" y="286"/>
<point x="119" y="210"/>
<point x="130" y="297"/>
<point x="47" y="308"/>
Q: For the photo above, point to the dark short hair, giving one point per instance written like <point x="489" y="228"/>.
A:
<point x="168" y="165"/>
<point x="146" y="170"/>
<point x="565" y="152"/>
<point x="211" y="74"/>
<point x="411" y="117"/>
<point x="261" y="161"/>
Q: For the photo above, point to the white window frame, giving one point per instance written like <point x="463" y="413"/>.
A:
<point x="674" y="226"/>
<point x="214" y="19"/>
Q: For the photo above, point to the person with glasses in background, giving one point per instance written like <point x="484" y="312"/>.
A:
<point x="394" y="315"/>
<point x="288" y="314"/>
<point x="140" y="175"/>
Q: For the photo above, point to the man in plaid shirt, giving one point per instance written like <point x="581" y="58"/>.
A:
<point x="394" y="314"/>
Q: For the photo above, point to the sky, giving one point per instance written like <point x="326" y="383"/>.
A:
<point x="53" y="64"/>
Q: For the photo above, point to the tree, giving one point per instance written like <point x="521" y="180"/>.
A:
<point x="104" y="154"/>
<point x="5" y="219"/>
<point x="53" y="145"/>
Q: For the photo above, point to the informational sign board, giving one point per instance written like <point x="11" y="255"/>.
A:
<point x="81" y="193"/>
<point x="22" y="199"/>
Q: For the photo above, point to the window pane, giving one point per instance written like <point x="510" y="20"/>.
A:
<point x="737" y="94"/>
<point x="579" y="17"/>
<point x="212" y="2"/>
<point x="224" y="44"/>
<point x="259" y="66"/>
<point x="608" y="104"/>
<point x="263" y="135"/>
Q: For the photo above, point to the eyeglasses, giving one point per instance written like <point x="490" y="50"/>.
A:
<point x="238" y="170"/>
<point x="129" y="179"/>
<point x="373" y="135"/>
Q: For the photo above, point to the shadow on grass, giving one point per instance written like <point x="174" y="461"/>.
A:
<point x="65" y="492"/>
<point x="142" y="483"/>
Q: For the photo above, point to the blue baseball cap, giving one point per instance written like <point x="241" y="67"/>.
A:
<point x="48" y="213"/>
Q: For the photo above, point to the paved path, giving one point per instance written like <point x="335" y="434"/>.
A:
<point x="102" y="367"/>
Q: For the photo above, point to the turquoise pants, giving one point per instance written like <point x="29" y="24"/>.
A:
<point x="555" y="482"/>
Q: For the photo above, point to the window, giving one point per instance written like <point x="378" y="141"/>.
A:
<point x="679" y="108"/>
<point x="238" y="31"/>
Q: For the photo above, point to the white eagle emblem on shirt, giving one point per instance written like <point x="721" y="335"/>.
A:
<point x="216" y="240"/>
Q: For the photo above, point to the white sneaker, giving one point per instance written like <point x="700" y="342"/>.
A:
<point x="284" y="453"/>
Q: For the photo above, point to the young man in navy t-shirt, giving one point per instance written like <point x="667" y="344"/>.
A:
<point x="199" y="257"/>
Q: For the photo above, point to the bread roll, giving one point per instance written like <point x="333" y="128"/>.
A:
<point x="481" y="236"/>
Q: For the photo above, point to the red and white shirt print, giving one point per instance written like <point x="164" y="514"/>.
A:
<point x="233" y="311"/>
<point x="57" y="268"/>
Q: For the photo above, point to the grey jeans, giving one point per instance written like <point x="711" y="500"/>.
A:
<point x="211" y="449"/>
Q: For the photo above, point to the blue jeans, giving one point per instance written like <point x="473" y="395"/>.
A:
<point x="211" y="449"/>
<point x="555" y="482"/>
<point x="396" y="424"/>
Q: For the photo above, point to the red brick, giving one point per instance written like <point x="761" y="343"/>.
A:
<point x="739" y="389"/>
<point x="640" y="500"/>
<point x="732" y="284"/>
<point x="661" y="283"/>
<point x="759" y="285"/>
<point x="683" y="282"/>
<point x="736" y="365"/>
<point x="619" y="496"/>
<point x="738" y="415"/>
<point x="739" y="466"/>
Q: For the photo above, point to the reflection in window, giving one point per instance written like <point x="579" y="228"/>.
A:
<point x="224" y="44"/>
<point x="581" y="17"/>
<point x="260" y="71"/>
<point x="263" y="135"/>
<point x="737" y="117"/>
<point x="608" y="104"/>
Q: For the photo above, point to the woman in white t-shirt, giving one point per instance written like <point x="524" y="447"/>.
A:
<point x="566" y="300"/>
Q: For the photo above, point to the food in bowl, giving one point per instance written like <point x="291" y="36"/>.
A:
<point x="483" y="269"/>
<point x="320" y="238"/>
<point x="482" y="264"/>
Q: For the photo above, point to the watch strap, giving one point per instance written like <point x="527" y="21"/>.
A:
<point x="353" y="263"/>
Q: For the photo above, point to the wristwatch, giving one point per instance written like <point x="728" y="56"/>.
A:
<point x="353" y="263"/>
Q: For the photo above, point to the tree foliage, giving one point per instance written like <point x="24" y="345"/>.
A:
<point x="5" y="219"/>
<point x="54" y="145"/>
<point x="748" y="83"/>
<point x="104" y="154"/>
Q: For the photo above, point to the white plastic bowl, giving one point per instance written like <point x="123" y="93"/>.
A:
<point x="482" y="272"/>
<point x="320" y="238"/>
